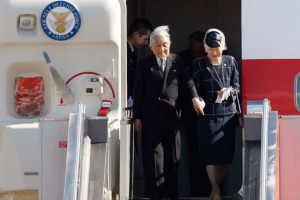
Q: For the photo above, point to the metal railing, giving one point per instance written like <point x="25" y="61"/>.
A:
<point x="264" y="149"/>
<point x="74" y="154"/>
<point x="126" y="155"/>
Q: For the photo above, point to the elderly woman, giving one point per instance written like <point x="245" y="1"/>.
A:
<point x="217" y="82"/>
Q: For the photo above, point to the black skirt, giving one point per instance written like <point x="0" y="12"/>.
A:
<point x="216" y="139"/>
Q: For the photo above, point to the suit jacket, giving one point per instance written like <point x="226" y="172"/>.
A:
<point x="208" y="83"/>
<point x="188" y="113"/>
<point x="156" y="99"/>
<point x="131" y="67"/>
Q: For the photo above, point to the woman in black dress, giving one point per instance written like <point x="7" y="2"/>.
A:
<point x="217" y="82"/>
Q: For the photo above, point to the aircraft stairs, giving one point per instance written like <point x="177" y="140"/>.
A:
<point x="263" y="166"/>
<point x="87" y="160"/>
<point x="261" y="154"/>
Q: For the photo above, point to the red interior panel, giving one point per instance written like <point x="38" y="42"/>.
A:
<point x="29" y="96"/>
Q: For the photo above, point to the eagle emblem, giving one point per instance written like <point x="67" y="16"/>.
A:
<point x="60" y="24"/>
<point x="60" y="20"/>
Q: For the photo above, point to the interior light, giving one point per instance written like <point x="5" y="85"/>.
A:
<point x="26" y="22"/>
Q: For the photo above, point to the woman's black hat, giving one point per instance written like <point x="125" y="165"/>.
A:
<point x="213" y="39"/>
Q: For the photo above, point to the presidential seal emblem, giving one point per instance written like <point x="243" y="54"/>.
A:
<point x="60" y="20"/>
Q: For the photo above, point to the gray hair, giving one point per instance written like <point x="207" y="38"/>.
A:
<point x="223" y="43"/>
<point x="161" y="31"/>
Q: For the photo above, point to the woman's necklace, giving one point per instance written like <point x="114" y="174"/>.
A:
<point x="221" y="64"/>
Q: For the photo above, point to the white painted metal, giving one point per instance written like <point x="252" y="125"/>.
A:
<point x="269" y="30"/>
<point x="92" y="49"/>
<point x="272" y="158"/>
<point x="74" y="154"/>
<point x="124" y="158"/>
<point x="85" y="172"/>
<point x="20" y="152"/>
<point x="264" y="150"/>
<point x="99" y="46"/>
<point x="53" y="158"/>
<point x="60" y="84"/>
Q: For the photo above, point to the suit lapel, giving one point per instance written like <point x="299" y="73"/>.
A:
<point x="155" y="69"/>
<point x="131" y="54"/>
<point x="170" y="60"/>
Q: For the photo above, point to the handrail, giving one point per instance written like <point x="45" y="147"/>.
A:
<point x="80" y="136"/>
<point x="264" y="149"/>
<point x="74" y="154"/>
<point x="124" y="158"/>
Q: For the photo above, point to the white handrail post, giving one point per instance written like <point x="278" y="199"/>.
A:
<point x="124" y="158"/>
<point x="264" y="149"/>
<point x="74" y="154"/>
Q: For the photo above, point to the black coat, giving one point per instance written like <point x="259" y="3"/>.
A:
<point x="156" y="97"/>
<point x="131" y="67"/>
<point x="208" y="83"/>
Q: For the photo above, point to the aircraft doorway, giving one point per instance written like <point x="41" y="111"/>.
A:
<point x="185" y="17"/>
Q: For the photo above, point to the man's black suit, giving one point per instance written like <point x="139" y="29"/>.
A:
<point x="200" y="185"/>
<point x="131" y="66"/>
<point x="156" y="103"/>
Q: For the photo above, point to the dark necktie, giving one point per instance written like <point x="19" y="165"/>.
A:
<point x="162" y="66"/>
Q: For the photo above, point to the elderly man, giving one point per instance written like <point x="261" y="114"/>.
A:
<point x="156" y="111"/>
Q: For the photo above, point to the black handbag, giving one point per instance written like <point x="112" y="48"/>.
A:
<point x="239" y="115"/>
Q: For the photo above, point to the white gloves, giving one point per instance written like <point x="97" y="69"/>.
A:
<point x="225" y="95"/>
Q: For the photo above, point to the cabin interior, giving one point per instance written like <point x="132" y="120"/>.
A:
<point x="185" y="17"/>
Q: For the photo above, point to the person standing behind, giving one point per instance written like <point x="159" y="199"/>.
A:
<point x="196" y="50"/>
<point x="156" y="113"/>
<point x="189" y="120"/>
<point x="137" y="37"/>
<point x="217" y="82"/>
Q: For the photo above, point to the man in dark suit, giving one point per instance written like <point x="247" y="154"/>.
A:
<point x="156" y="111"/>
<point x="137" y="37"/>
<point x="200" y="185"/>
<point x="196" y="50"/>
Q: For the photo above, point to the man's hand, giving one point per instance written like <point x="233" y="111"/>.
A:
<point x="198" y="105"/>
<point x="138" y="125"/>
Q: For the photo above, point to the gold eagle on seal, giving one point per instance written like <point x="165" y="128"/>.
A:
<point x="60" y="24"/>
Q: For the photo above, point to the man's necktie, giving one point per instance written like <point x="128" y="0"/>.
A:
<point x="162" y="66"/>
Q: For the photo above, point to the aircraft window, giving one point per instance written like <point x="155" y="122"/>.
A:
<point x="29" y="96"/>
<point x="297" y="91"/>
